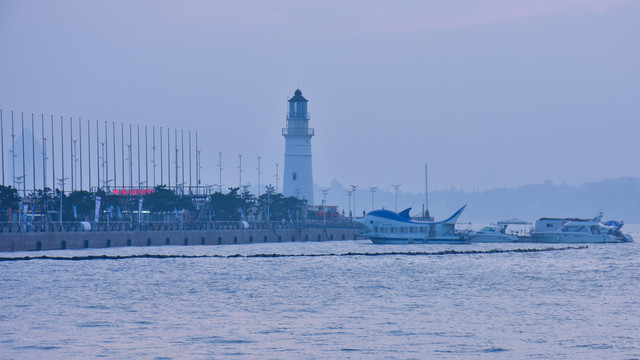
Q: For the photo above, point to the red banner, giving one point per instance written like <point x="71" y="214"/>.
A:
<point x="133" y="191"/>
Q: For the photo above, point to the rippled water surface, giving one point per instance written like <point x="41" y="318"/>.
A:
<point x="569" y="304"/>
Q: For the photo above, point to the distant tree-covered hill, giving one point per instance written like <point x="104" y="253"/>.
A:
<point x="617" y="198"/>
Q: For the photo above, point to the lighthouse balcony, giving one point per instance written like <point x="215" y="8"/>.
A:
<point x="298" y="131"/>
<point x="299" y="115"/>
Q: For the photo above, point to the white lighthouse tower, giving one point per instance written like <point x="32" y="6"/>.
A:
<point x="298" y="176"/>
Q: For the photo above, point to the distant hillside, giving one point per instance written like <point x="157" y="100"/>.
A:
<point x="617" y="198"/>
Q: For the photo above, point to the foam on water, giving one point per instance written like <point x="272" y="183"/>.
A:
<point x="577" y="303"/>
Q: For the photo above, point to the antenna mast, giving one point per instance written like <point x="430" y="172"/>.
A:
<point x="426" y="192"/>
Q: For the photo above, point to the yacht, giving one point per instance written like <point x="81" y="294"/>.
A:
<point x="500" y="232"/>
<point x="569" y="230"/>
<point x="388" y="227"/>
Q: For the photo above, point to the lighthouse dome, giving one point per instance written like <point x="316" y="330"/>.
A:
<point x="297" y="97"/>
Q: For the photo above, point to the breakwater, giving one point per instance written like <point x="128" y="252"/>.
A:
<point x="78" y="239"/>
<point x="393" y="253"/>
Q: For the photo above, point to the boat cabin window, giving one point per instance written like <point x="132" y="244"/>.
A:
<point x="403" y="229"/>
<point x="423" y="229"/>
<point x="574" y="229"/>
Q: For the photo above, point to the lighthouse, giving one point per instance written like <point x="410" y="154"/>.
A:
<point x="298" y="176"/>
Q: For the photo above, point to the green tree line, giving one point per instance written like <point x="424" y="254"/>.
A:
<point x="231" y="206"/>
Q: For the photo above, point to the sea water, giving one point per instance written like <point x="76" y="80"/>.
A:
<point x="579" y="303"/>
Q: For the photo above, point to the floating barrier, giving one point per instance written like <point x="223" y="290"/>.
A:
<point x="393" y="253"/>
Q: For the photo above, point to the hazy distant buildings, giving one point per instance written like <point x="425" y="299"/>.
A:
<point x="298" y="175"/>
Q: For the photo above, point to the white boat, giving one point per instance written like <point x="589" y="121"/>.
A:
<point x="554" y="230"/>
<point x="388" y="227"/>
<point x="492" y="234"/>
<point x="499" y="232"/>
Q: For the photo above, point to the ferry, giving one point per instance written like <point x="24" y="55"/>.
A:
<point x="388" y="227"/>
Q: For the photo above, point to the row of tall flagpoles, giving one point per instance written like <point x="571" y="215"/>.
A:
<point x="98" y="148"/>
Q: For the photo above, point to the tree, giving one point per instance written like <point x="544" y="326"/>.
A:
<point x="43" y="199"/>
<point x="84" y="201"/>
<point x="116" y="201"/>
<point x="162" y="200"/>
<point x="248" y="203"/>
<point x="226" y="207"/>
<point x="266" y="201"/>
<point x="279" y="206"/>
<point x="9" y="198"/>
<point x="290" y="206"/>
<point x="66" y="209"/>
<point x="185" y="203"/>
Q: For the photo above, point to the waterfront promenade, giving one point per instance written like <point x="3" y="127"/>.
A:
<point x="72" y="235"/>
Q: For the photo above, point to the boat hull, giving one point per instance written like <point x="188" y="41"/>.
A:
<point x="436" y="240"/>
<point x="573" y="238"/>
<point x="493" y="238"/>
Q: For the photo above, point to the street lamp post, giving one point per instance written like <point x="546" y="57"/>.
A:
<point x="106" y="186"/>
<point x="198" y="166"/>
<point x="220" y="171"/>
<point x="240" y="170"/>
<point x="153" y="152"/>
<point x="277" y="179"/>
<point x="349" y="192"/>
<point x="353" y="190"/>
<point x="19" y="180"/>
<point x="373" y="190"/>
<point x="396" y="187"/>
<point x="259" y="172"/>
<point x="268" y="205"/>
<point x="61" y="182"/>
<point x="140" y="183"/>
<point x="324" y="200"/>
<point x="245" y="191"/>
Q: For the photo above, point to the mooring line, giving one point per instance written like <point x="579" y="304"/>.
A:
<point x="392" y="253"/>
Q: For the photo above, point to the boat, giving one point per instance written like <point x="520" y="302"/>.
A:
<point x="571" y="230"/>
<point x="496" y="233"/>
<point x="492" y="234"/>
<point x="388" y="227"/>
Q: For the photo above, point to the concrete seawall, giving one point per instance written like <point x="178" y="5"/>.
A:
<point x="33" y="241"/>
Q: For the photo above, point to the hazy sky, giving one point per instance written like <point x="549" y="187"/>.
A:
<point x="489" y="93"/>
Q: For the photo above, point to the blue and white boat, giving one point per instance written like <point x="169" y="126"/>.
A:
<point x="388" y="227"/>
